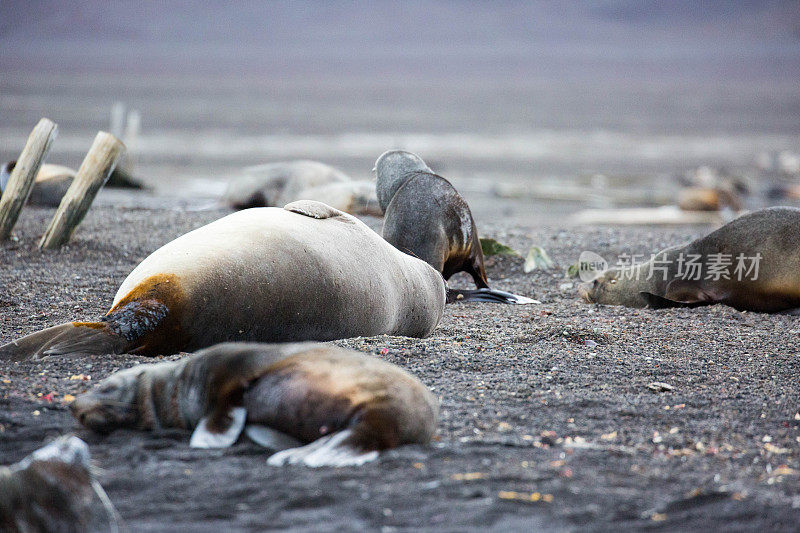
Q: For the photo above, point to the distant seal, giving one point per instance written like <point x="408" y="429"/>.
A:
<point x="277" y="184"/>
<point x="320" y="404"/>
<point x="54" y="489"/>
<point x="758" y="252"/>
<point x="304" y="272"/>
<point x="354" y="197"/>
<point x="426" y="217"/>
<point x="49" y="186"/>
<point x="709" y="199"/>
<point x="52" y="182"/>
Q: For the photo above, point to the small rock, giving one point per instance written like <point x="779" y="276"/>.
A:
<point x="658" y="386"/>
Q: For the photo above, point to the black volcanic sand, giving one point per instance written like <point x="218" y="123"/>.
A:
<point x="546" y="420"/>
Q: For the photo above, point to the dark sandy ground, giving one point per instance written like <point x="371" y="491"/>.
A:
<point x="546" y="420"/>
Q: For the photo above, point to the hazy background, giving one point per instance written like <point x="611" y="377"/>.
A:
<point x="488" y="92"/>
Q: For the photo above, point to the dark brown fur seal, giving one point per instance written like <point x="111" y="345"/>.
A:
<point x="304" y="272"/>
<point x="340" y="406"/>
<point x="771" y="235"/>
<point x="54" y="489"/>
<point x="425" y="216"/>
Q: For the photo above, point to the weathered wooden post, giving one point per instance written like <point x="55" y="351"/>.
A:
<point x="92" y="175"/>
<point x="20" y="183"/>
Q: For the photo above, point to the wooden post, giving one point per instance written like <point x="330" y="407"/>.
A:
<point x="20" y="183"/>
<point x="95" y="170"/>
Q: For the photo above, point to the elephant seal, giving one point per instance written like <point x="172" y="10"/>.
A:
<point x="54" y="489"/>
<point x="752" y="263"/>
<point x="316" y="403"/>
<point x="277" y="184"/>
<point x="425" y="216"/>
<point x="302" y="272"/>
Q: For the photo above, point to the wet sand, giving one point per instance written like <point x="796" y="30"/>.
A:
<point x="546" y="417"/>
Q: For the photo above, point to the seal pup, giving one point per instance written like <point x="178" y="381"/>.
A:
<point x="752" y="263"/>
<point x="315" y="404"/>
<point x="426" y="217"/>
<point x="54" y="489"/>
<point x="302" y="272"/>
<point x="277" y="184"/>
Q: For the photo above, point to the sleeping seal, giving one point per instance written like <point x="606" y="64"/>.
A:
<point x="751" y="263"/>
<point x="277" y="184"/>
<point x="54" y="489"/>
<point x="52" y="182"/>
<point x="425" y="216"/>
<point x="316" y="404"/>
<point x="49" y="186"/>
<point x="303" y="272"/>
<point x="354" y="197"/>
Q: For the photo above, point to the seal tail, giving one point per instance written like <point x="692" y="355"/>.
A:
<point x="487" y="295"/>
<point x="72" y="338"/>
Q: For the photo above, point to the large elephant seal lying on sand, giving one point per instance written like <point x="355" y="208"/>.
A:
<point x="425" y="216"/>
<point x="319" y="404"/>
<point x="751" y="263"/>
<point x="277" y="184"/>
<point x="304" y="272"/>
<point x="53" y="489"/>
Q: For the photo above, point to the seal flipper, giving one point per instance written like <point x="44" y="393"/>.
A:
<point x="203" y="437"/>
<point x="270" y="438"/>
<point x="692" y="292"/>
<point x="487" y="295"/>
<point x="72" y="338"/>
<point x="313" y="209"/>
<point x="123" y="329"/>
<point x="335" y="449"/>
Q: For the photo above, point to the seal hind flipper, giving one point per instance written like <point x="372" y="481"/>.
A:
<point x="487" y="295"/>
<point x="270" y="438"/>
<point x="313" y="209"/>
<point x="72" y="338"/>
<point x="336" y="449"/>
<point x="204" y="437"/>
<point x="123" y="329"/>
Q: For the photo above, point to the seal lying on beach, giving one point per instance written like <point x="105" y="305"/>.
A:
<point x="425" y="216"/>
<point x="751" y="263"/>
<point x="316" y="404"/>
<point x="53" y="489"/>
<point x="277" y="184"/>
<point x="52" y="182"/>
<point x="49" y="186"/>
<point x="304" y="272"/>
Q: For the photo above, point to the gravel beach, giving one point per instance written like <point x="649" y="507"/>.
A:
<point x="548" y="416"/>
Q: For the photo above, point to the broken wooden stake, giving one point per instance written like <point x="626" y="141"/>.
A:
<point x="20" y="183"/>
<point x="92" y="175"/>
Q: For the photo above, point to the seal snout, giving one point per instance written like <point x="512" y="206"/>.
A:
<point x="585" y="291"/>
<point x="92" y="414"/>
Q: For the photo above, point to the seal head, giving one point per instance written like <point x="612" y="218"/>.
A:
<point x="393" y="169"/>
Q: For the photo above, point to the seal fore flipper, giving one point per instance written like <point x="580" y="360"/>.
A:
<point x="269" y="438"/>
<point x="331" y="450"/>
<point x="487" y="295"/>
<point x="205" y="438"/>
